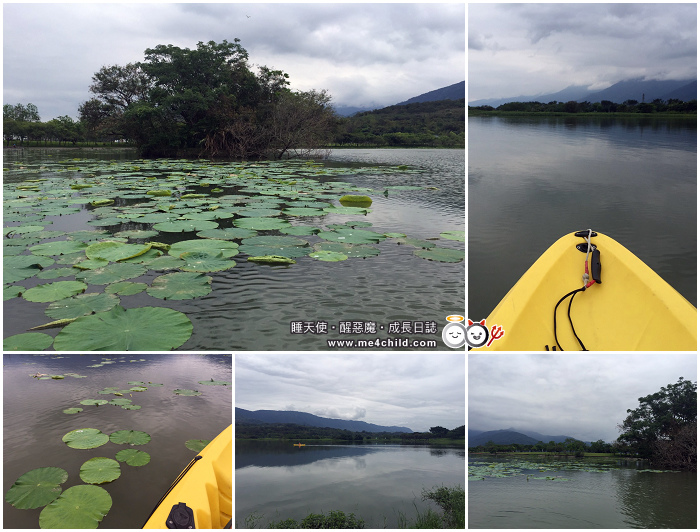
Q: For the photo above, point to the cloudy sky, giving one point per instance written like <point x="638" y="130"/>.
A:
<point x="580" y="395"/>
<point x="363" y="54"/>
<point x="418" y="391"/>
<point x="531" y="49"/>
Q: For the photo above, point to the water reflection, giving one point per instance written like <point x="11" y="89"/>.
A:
<point x="532" y="180"/>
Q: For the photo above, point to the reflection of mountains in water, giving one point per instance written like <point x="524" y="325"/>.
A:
<point x="284" y="455"/>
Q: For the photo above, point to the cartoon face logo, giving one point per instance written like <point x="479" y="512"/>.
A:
<point x="477" y="333"/>
<point x="454" y="335"/>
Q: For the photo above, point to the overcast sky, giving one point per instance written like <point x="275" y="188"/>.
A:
<point x="584" y="396"/>
<point x="417" y="391"/>
<point x="532" y="49"/>
<point x="363" y="54"/>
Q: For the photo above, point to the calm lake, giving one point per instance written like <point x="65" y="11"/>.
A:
<point x="34" y="423"/>
<point x="596" y="494"/>
<point x="533" y="180"/>
<point x="390" y="287"/>
<point x="375" y="482"/>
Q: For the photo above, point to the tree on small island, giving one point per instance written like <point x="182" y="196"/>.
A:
<point x="206" y="101"/>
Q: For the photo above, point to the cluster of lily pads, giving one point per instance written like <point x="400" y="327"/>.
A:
<point x="81" y="506"/>
<point x="182" y="220"/>
<point x="481" y="470"/>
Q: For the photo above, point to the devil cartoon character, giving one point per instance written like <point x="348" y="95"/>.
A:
<point x="477" y="333"/>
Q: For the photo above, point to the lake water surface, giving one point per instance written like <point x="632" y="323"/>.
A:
<point x="34" y="423"/>
<point x="533" y="180"/>
<point x="619" y="495"/>
<point x="253" y="306"/>
<point x="377" y="483"/>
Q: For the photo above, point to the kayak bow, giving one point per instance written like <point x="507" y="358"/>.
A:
<point x="628" y="307"/>
<point x="200" y="497"/>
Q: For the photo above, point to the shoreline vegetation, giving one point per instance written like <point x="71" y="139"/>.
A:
<point x="671" y="108"/>
<point x="293" y="433"/>
<point x="451" y="500"/>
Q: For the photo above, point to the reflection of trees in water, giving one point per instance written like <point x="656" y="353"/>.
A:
<point x="657" y="500"/>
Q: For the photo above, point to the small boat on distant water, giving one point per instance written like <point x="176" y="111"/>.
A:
<point x="299" y="444"/>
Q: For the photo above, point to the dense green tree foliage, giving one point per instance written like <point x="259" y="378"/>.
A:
<point x="206" y="101"/>
<point x="664" y="426"/>
<point x="291" y="431"/>
<point x="605" y="106"/>
<point x="569" y="446"/>
<point x="437" y="124"/>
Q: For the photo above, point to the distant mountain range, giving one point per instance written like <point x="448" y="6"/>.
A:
<point x="508" y="436"/>
<point x="451" y="92"/>
<point x="310" y="420"/>
<point x="639" y="90"/>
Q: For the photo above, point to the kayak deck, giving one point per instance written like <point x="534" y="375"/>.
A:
<point x="205" y="486"/>
<point x="632" y="308"/>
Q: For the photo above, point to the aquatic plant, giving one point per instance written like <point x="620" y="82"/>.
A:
<point x="100" y="470"/>
<point x="85" y="438"/>
<point x="196" y="445"/>
<point x="204" y="205"/>
<point x="130" y="437"/>
<point x="77" y="507"/>
<point x="36" y="488"/>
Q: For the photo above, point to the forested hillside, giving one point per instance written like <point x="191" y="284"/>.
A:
<point x="437" y="124"/>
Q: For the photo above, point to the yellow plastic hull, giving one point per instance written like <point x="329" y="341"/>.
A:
<point x="205" y="487"/>
<point x="631" y="309"/>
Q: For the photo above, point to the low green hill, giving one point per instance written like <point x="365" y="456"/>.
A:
<point x="437" y="124"/>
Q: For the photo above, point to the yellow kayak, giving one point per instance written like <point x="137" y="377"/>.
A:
<point x="627" y="308"/>
<point x="201" y="495"/>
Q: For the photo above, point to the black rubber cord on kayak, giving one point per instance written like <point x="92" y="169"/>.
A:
<point x="572" y="294"/>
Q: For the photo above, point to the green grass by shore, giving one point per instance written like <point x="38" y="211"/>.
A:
<point x="450" y="500"/>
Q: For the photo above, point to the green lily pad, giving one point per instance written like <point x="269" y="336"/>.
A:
<point x="120" y="402"/>
<point x="44" y="293"/>
<point x="91" y="264"/>
<point x="180" y="285"/>
<point x="131" y="407"/>
<point x="131" y="437"/>
<point x="440" y="254"/>
<point x="94" y="402"/>
<point x="351" y="250"/>
<point x="20" y="267"/>
<point x="36" y="488"/>
<point x="145" y="328"/>
<point x="227" y="234"/>
<point x="100" y="470"/>
<point x="77" y="507"/>
<point x="59" y="247"/>
<point x="453" y="235"/>
<point x="212" y="382"/>
<point x="81" y="305"/>
<point x="27" y="342"/>
<point x="115" y="251"/>
<point x="212" y="246"/>
<point x="125" y="288"/>
<point x="112" y="273"/>
<point x="184" y="226"/>
<point x="352" y="236"/>
<point x="196" y="261"/>
<point x="133" y="457"/>
<point x="197" y="445"/>
<point x="261" y="224"/>
<point x="85" y="438"/>
<point x="138" y="389"/>
<point x="10" y="292"/>
<point x="304" y="211"/>
<point x="187" y="392"/>
<point x="272" y="259"/>
<point x="351" y="200"/>
<point x="72" y="410"/>
<point x="328" y="256"/>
